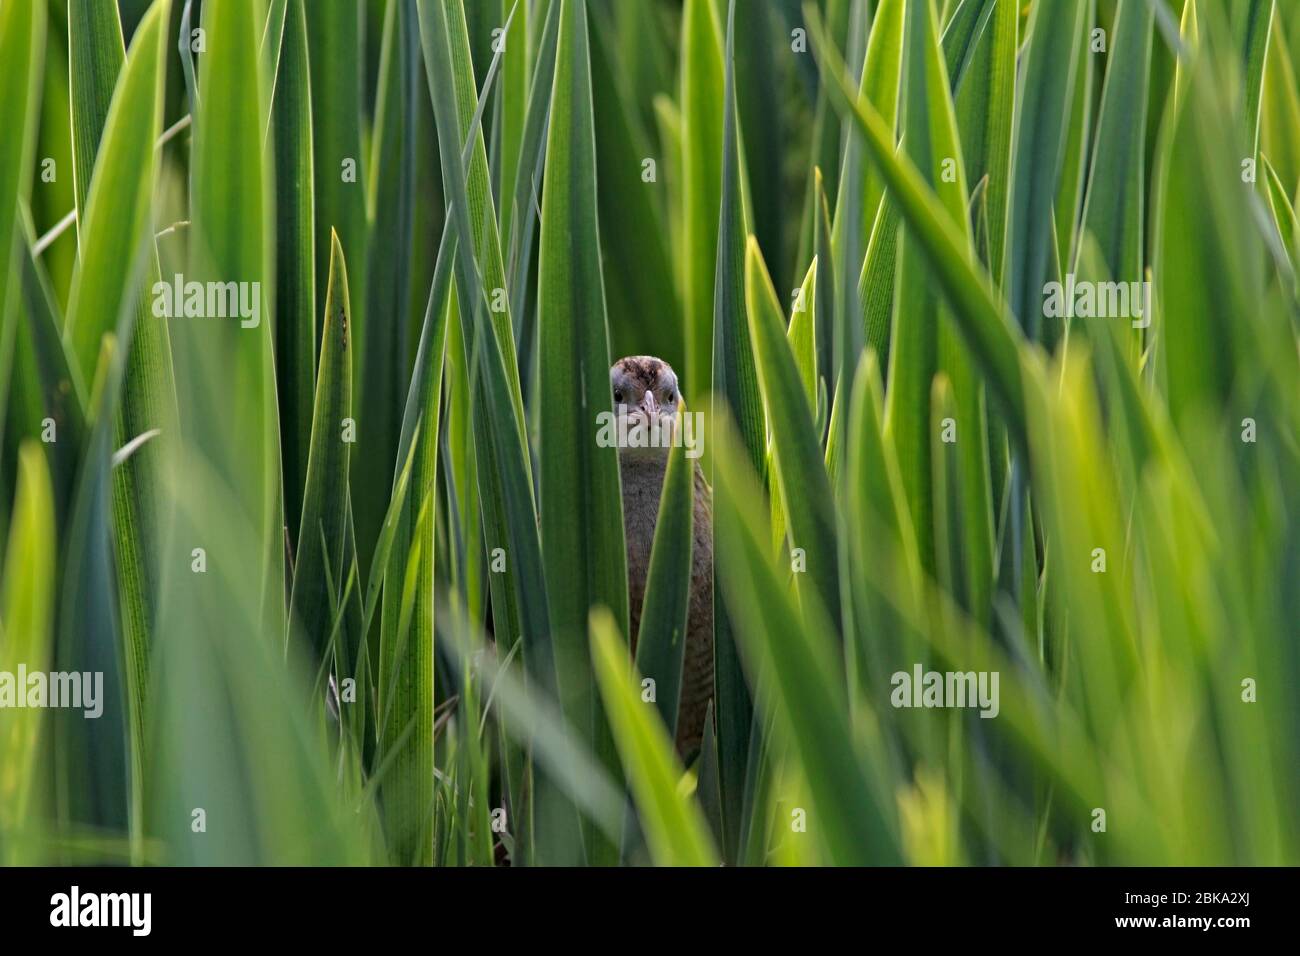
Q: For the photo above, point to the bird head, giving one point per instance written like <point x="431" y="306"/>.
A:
<point x="645" y="390"/>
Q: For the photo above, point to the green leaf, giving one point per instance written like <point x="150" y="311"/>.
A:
<point x="824" y="317"/>
<point x="336" y="45"/>
<point x="232" y="706"/>
<point x="1074" y="155"/>
<point x="964" y="29"/>
<point x="295" y="257"/>
<point x="532" y="151"/>
<point x="733" y="378"/>
<point x="534" y="721"/>
<point x="51" y="367"/>
<point x="1250" y="24"/>
<point x="325" y="500"/>
<point x="505" y="485"/>
<point x="1189" y="33"/>
<point x="581" y="504"/>
<point x="981" y="317"/>
<point x="645" y="314"/>
<point x="1280" y="110"/>
<point x="148" y="404"/>
<point x="1284" y="215"/>
<point x="1051" y="59"/>
<point x="674" y="826"/>
<point x="702" y="105"/>
<point x="407" y="659"/>
<point x="985" y="104"/>
<point x="519" y="600"/>
<point x="26" y="638"/>
<point x="930" y="140"/>
<point x="802" y="334"/>
<point x="1116" y="202"/>
<point x="949" y="519"/>
<point x="858" y="197"/>
<point x="805" y="487"/>
<point x="879" y="534"/>
<point x="789" y="649"/>
<point x="22" y="40"/>
<point x="660" y="641"/>
<point x="230" y="242"/>
<point x="512" y="105"/>
<point x="118" y="263"/>
<point x="96" y="53"/>
<point x="115" y="217"/>
<point x="383" y="343"/>
<point x="1207" y="257"/>
<point x="101" y="762"/>
<point x="876" y="280"/>
<point x="185" y="46"/>
<point x="881" y="85"/>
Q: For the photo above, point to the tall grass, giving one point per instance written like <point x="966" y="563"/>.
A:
<point x="355" y="573"/>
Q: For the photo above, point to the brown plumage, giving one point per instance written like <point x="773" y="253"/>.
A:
<point x="646" y="386"/>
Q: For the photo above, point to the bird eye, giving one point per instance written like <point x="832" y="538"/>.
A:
<point x="618" y="396"/>
<point x="670" y="397"/>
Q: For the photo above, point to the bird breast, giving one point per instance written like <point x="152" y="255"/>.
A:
<point x="643" y="480"/>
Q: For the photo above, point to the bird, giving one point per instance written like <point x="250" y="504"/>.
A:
<point x="646" y="388"/>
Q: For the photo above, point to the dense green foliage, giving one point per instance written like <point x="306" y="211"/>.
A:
<point x="992" y="311"/>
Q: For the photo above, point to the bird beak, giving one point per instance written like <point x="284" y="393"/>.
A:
<point x="649" y="405"/>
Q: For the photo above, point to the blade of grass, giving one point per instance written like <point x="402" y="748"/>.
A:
<point x="702" y="104"/>
<point x="805" y="488"/>
<point x="645" y="314"/>
<point x="824" y="314"/>
<point x="512" y="109"/>
<point x="1074" y="166"/>
<point x="336" y="42"/>
<point x="1042" y="109"/>
<point x="660" y="640"/>
<point x="114" y="225"/>
<point x="230" y="241"/>
<point x="1284" y="215"/>
<point x="581" y="505"/>
<point x="793" y="648"/>
<point x="919" y="330"/>
<point x="1251" y="23"/>
<point x="981" y="316"/>
<point x="984" y="119"/>
<point x="96" y="53"/>
<point x="533" y="720"/>
<point x="1280" y="109"/>
<point x="325" y="498"/>
<point x="295" y="266"/>
<point x="1116" y="201"/>
<point x="383" y="359"/>
<point x="406" y="674"/>
<point x="51" y="367"/>
<point x="674" y="826"/>
<point x="480" y="277"/>
<point x="22" y="40"/>
<point x="27" y="638"/>
<point x="1199" y="279"/>
<point x="733" y="376"/>
<point x="520" y="603"/>
<point x="858" y="197"/>
<point x="100" y="765"/>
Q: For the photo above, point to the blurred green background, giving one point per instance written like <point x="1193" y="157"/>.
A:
<point x="346" y="572"/>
